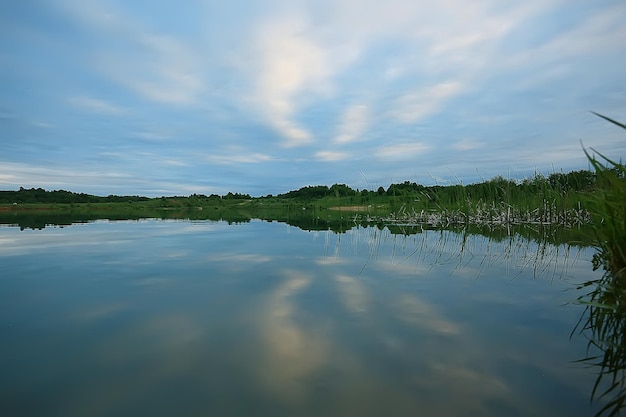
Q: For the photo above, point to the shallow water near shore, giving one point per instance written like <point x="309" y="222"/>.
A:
<point x="157" y="317"/>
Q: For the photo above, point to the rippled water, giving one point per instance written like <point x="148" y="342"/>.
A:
<point x="264" y="319"/>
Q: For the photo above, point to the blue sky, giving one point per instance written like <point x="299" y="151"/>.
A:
<point x="173" y="98"/>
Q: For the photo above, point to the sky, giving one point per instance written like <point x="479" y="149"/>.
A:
<point x="262" y="97"/>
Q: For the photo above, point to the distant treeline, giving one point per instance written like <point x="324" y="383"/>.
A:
<point x="556" y="192"/>
<point x="493" y="190"/>
<point x="40" y="195"/>
<point x="560" y="199"/>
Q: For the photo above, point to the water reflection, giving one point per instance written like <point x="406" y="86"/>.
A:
<point x="353" y="293"/>
<point x="160" y="317"/>
<point x="421" y="314"/>
<point x="37" y="220"/>
<point x="293" y="352"/>
<point x="604" y="324"/>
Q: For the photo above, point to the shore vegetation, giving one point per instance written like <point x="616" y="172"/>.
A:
<point x="556" y="199"/>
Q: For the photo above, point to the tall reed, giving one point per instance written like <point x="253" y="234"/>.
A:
<point x="604" y="319"/>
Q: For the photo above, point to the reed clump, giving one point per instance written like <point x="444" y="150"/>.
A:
<point x="604" y="319"/>
<point x="493" y="214"/>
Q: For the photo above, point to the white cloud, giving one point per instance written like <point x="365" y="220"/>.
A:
<point x="338" y="70"/>
<point x="102" y="181"/>
<point x="158" y="67"/>
<point x="28" y="175"/>
<point x="467" y="144"/>
<point x="400" y="151"/>
<point x="96" y="106"/>
<point x="601" y="31"/>
<point x="145" y="158"/>
<point x="291" y="63"/>
<point x="239" y="158"/>
<point x="364" y="20"/>
<point x="8" y="179"/>
<point x="42" y="125"/>
<point x="295" y="135"/>
<point x="152" y="136"/>
<point x="353" y="122"/>
<point x="413" y="106"/>
<point x="174" y="162"/>
<point x="331" y="156"/>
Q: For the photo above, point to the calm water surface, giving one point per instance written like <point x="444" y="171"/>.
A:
<point x="162" y="318"/>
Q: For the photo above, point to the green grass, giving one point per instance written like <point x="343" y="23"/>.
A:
<point x="604" y="319"/>
<point x="556" y="199"/>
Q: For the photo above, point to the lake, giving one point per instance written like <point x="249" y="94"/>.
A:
<point x="197" y="318"/>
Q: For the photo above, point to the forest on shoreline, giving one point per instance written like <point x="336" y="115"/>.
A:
<point x="557" y="199"/>
<point x="498" y="189"/>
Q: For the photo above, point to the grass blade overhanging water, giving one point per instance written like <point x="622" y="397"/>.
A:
<point x="604" y="319"/>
